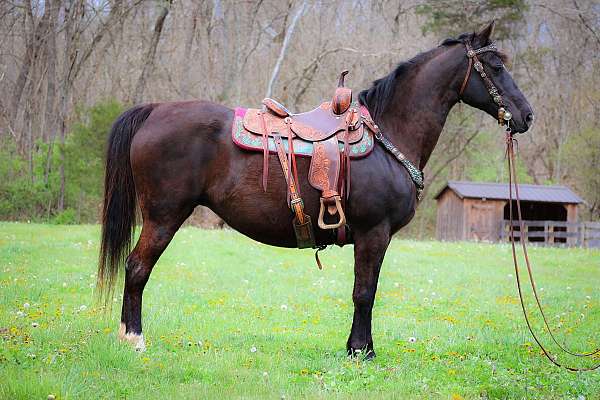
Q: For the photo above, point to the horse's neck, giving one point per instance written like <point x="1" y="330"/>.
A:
<point x="422" y="101"/>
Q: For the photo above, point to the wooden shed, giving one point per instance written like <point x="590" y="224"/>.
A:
<point x="479" y="211"/>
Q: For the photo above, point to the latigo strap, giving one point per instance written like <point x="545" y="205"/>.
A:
<point x="302" y="224"/>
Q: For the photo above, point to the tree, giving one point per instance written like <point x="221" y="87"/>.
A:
<point x="148" y="62"/>
<point x="582" y="159"/>
<point x="452" y="16"/>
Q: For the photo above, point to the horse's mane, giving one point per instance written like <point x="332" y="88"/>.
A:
<point x="378" y="97"/>
<point x="380" y="94"/>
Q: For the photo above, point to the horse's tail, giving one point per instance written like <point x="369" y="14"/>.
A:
<point x="119" y="210"/>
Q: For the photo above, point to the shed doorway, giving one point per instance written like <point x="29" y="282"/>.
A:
<point x="538" y="211"/>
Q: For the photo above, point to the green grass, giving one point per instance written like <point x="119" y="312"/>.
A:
<point x="215" y="295"/>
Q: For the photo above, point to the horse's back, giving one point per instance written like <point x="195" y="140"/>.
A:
<point x="184" y="118"/>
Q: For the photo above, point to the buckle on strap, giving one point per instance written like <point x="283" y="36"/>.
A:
<point x="297" y="200"/>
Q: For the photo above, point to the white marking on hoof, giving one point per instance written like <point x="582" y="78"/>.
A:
<point x="140" y="346"/>
<point x="136" y="340"/>
<point x="122" y="331"/>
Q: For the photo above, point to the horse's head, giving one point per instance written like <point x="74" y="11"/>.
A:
<point x="487" y="84"/>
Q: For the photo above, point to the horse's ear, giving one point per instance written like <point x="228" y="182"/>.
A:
<point x="484" y="36"/>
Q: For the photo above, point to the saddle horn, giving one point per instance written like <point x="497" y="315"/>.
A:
<point x="342" y="76"/>
<point x="342" y="97"/>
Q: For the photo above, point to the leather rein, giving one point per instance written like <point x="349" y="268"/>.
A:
<point x="512" y="177"/>
<point x="504" y="117"/>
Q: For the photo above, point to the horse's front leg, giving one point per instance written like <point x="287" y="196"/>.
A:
<point x="369" y="250"/>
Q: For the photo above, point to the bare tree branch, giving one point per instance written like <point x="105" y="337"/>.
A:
<point x="284" y="46"/>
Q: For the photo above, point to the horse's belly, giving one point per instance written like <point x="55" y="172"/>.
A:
<point x="273" y="227"/>
<point x="264" y="216"/>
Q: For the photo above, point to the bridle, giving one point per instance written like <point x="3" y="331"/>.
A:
<point x="504" y="116"/>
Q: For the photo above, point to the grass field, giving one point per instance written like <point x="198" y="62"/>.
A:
<point x="225" y="317"/>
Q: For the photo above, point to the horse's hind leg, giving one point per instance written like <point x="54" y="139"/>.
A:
<point x="154" y="238"/>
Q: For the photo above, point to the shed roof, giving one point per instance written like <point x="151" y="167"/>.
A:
<point x="499" y="191"/>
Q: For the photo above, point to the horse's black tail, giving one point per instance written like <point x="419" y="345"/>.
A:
<point x="118" y="212"/>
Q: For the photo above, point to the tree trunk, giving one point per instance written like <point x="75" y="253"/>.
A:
<point x="69" y="58"/>
<point x="148" y="63"/>
<point x="51" y="111"/>
<point x="184" y="85"/>
<point x="27" y="62"/>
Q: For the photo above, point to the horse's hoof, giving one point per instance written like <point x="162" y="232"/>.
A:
<point x="364" y="353"/>
<point x="138" y="342"/>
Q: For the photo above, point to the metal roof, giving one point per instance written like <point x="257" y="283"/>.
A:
<point x="499" y="191"/>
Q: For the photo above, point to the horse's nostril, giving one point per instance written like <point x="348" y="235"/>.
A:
<point x="529" y="118"/>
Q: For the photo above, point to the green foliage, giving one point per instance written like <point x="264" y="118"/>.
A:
<point x="582" y="156"/>
<point x="66" y="217"/>
<point x="30" y="191"/>
<point x="25" y="193"/>
<point x="84" y="155"/>
<point x="451" y="17"/>
<point x="215" y="295"/>
<point x="486" y="160"/>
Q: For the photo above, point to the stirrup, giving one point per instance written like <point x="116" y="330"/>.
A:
<point x="338" y="206"/>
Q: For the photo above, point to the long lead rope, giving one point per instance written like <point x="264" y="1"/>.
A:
<point x="512" y="176"/>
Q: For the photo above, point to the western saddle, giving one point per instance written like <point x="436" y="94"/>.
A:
<point x="331" y="134"/>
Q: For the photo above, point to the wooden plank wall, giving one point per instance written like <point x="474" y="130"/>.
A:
<point x="482" y="219"/>
<point x="571" y="217"/>
<point x="449" y="224"/>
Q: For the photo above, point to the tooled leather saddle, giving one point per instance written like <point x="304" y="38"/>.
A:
<point x="331" y="135"/>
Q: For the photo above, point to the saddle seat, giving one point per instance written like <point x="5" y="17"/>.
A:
<point x="331" y="134"/>
<point x="325" y="120"/>
<point x="314" y="125"/>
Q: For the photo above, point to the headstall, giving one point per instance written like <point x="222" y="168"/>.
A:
<point x="504" y="116"/>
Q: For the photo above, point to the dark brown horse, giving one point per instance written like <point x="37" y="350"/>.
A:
<point x="170" y="157"/>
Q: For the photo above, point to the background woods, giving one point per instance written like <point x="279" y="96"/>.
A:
<point x="69" y="67"/>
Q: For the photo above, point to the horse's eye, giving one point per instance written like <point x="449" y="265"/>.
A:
<point x="498" y="67"/>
